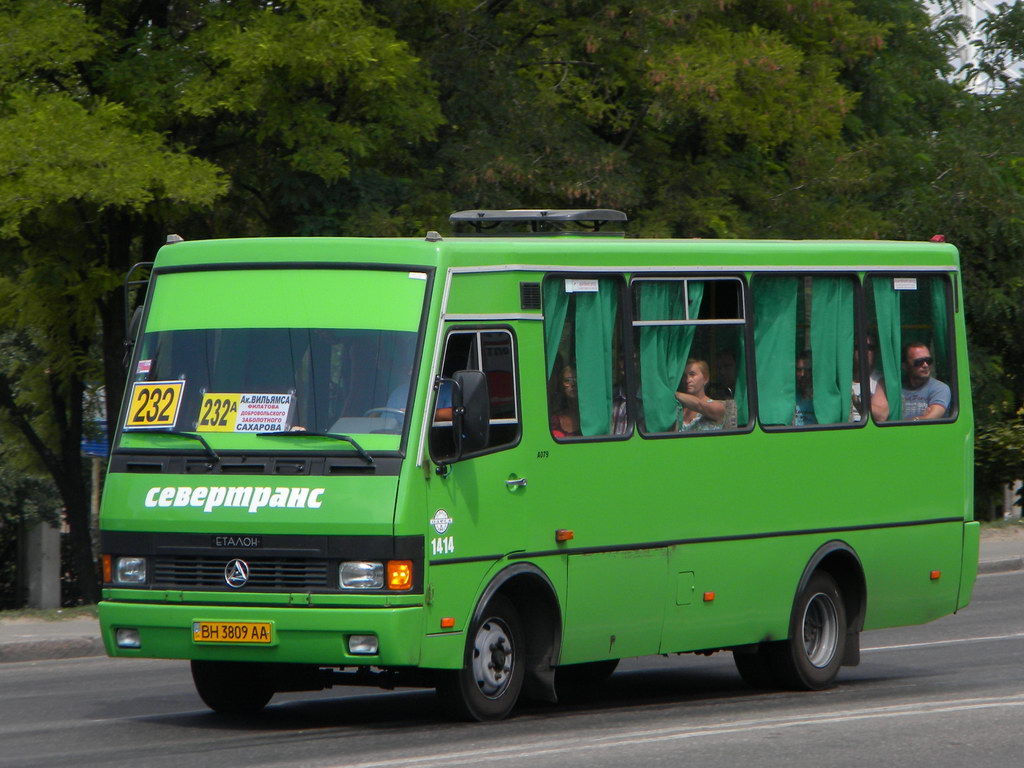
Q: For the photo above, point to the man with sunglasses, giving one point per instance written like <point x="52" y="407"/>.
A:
<point x="924" y="397"/>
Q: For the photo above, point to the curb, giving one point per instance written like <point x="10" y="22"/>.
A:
<point x="58" y="648"/>
<point x="1002" y="565"/>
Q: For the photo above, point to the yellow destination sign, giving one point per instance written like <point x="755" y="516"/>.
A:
<point x="154" y="404"/>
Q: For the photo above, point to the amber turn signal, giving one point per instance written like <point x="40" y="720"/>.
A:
<point x="399" y="574"/>
<point x="564" y="534"/>
<point x="936" y="575"/>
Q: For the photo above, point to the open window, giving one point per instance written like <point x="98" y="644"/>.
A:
<point x="585" y="363"/>
<point x="909" y="316"/>
<point x="493" y="353"/>
<point x="689" y="335"/>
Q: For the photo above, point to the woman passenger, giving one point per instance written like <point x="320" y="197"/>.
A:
<point x="700" y="412"/>
<point x="565" y="416"/>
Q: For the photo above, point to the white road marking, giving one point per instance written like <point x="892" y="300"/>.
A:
<point x="990" y="638"/>
<point x="649" y="736"/>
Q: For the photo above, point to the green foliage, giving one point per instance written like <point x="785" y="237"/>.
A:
<point x="96" y="159"/>
<point x="120" y="119"/>
<point x="998" y="457"/>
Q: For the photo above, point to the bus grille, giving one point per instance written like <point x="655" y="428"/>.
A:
<point x="288" y="574"/>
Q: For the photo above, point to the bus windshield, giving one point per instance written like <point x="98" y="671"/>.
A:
<point x="238" y="353"/>
<point x="259" y="380"/>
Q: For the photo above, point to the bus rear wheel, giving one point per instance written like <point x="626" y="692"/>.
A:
<point x="811" y="658"/>
<point x="231" y="687"/>
<point x="488" y="685"/>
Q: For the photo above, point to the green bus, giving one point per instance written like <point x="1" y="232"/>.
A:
<point x="499" y="461"/>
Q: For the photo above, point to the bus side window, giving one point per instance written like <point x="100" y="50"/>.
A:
<point x="910" y="316"/>
<point x="804" y="330"/>
<point x="585" y="366"/>
<point x="689" y="334"/>
<point x="493" y="353"/>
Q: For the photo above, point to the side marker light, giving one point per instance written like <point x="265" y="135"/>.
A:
<point x="448" y="622"/>
<point x="936" y="575"/>
<point x="564" y="534"/>
<point x="709" y="597"/>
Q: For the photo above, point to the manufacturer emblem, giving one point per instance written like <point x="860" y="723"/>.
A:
<point x="236" y="573"/>
<point x="441" y="521"/>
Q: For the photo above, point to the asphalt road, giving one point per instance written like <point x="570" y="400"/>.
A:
<point x="950" y="693"/>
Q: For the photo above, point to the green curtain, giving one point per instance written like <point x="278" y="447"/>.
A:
<point x="940" y="325"/>
<point x="556" y="304"/>
<point x="595" y="326"/>
<point x="775" y="302"/>
<point x="832" y="347"/>
<point x="664" y="349"/>
<point x="887" y="312"/>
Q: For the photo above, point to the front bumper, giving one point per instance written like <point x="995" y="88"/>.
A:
<point x="299" y="635"/>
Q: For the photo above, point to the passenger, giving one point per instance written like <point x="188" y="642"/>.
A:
<point x="700" y="413"/>
<point x="876" y="386"/>
<point x="565" y="415"/>
<point x="923" y="397"/>
<point x="803" y="411"/>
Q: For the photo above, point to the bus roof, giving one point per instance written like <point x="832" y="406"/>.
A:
<point x="611" y="253"/>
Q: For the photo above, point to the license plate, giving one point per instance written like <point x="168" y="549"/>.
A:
<point x="231" y="632"/>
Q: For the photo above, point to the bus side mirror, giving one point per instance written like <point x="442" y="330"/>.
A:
<point x="462" y="419"/>
<point x="471" y="416"/>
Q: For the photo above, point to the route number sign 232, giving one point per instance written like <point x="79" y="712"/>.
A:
<point x="154" y="404"/>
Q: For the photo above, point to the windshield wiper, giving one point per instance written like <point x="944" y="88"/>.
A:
<point x="331" y="435"/>
<point x="193" y="435"/>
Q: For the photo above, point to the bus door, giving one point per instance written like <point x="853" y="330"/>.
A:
<point x="475" y="507"/>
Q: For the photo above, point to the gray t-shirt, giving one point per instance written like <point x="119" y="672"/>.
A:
<point x="932" y="392"/>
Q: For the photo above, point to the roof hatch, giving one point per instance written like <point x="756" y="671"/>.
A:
<point x="538" y="221"/>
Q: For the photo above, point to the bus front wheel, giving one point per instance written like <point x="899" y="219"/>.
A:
<point x="811" y="657"/>
<point x="231" y="687"/>
<point x="491" y="678"/>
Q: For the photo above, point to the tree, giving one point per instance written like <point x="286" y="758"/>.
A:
<point x="119" y="119"/>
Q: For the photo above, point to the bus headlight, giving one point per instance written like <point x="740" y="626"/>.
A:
<point x="361" y="575"/>
<point x="130" y="570"/>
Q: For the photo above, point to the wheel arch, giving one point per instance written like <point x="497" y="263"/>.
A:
<point x="840" y="561"/>
<point x="534" y="597"/>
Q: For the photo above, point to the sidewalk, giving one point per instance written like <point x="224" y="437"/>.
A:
<point x="26" y="639"/>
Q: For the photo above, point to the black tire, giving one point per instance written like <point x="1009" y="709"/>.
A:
<point x="232" y="687"/>
<point x="757" y="667"/>
<point x="578" y="677"/>
<point x="491" y="679"/>
<point x="811" y="658"/>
